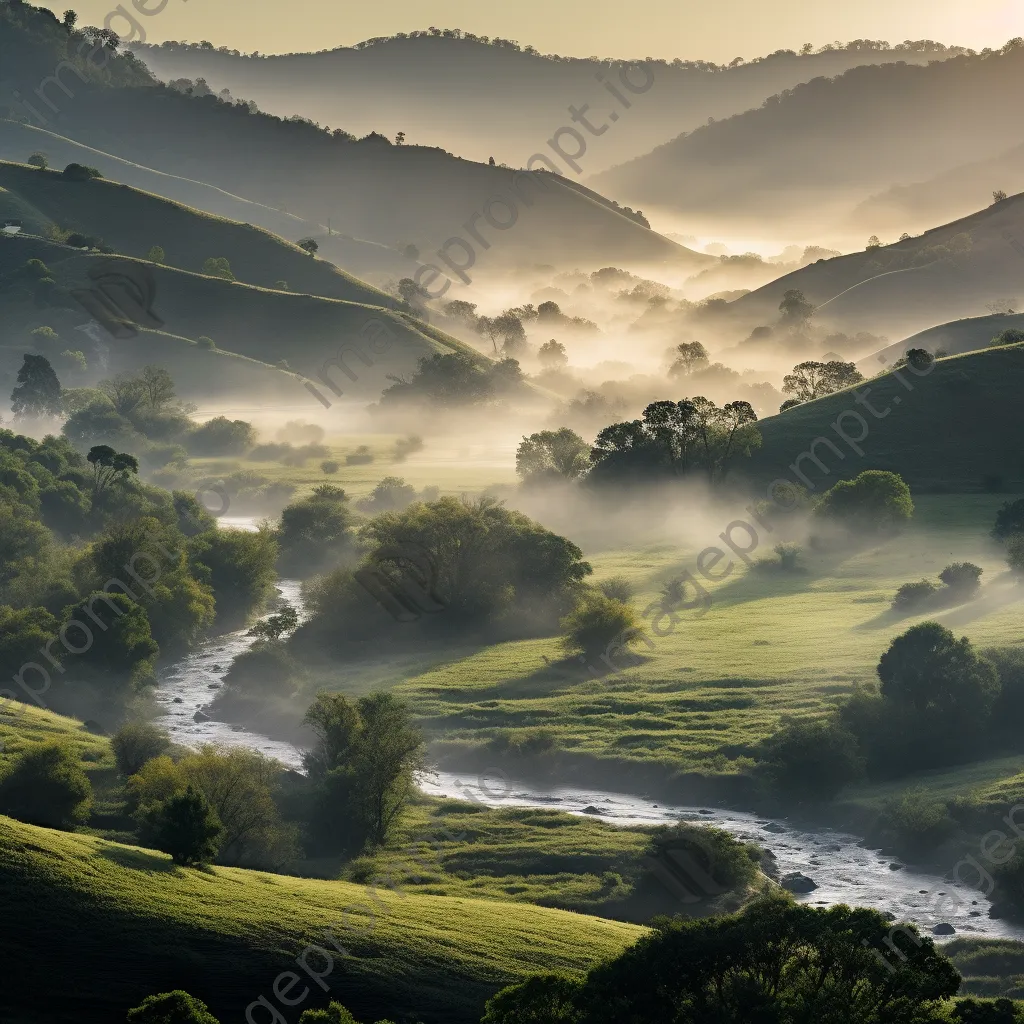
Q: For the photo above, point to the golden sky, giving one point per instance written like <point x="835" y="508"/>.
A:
<point x="718" y="30"/>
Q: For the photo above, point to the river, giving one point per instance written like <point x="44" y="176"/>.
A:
<point x="845" y="871"/>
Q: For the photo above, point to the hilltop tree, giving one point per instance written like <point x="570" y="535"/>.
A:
<point x="311" y="245"/>
<point x="689" y="357"/>
<point x="38" y="391"/>
<point x="998" y="196"/>
<point x="811" y="379"/>
<point x="39" y="159"/>
<point x="218" y="266"/>
<point x="156" y="254"/>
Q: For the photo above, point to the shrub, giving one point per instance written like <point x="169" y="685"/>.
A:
<point x="39" y="160"/>
<point x="406" y="446"/>
<point x="1013" y="336"/>
<point x="598" y="622"/>
<point x="913" y="595"/>
<point x="811" y="760"/>
<point x="334" y="1014"/>
<point x="330" y="467"/>
<point x="964" y="577"/>
<point x="204" y="342"/>
<point x="187" y="828"/>
<point x="917" y="821"/>
<point x="46" y="786"/>
<point x="875" y="502"/>
<point x="81" y="172"/>
<point x="362" y="456"/>
<point x="136" y="743"/>
<point x="175" y="1007"/>
<point x="789" y="556"/>
<point x="618" y="588"/>
<point x="218" y="266"/>
<point x="156" y="254"/>
<point x="221" y="436"/>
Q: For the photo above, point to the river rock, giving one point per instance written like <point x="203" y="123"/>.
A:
<point x="798" y="882"/>
<point x="774" y="828"/>
<point x="895" y="867"/>
<point x="177" y="700"/>
<point x="201" y="716"/>
<point x="213" y="686"/>
<point x="944" y="929"/>
<point x="591" y="809"/>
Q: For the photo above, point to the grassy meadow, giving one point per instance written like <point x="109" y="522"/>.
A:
<point x="142" y="925"/>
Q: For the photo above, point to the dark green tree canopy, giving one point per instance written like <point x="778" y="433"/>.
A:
<point x="38" y="391"/>
<point x="929" y="668"/>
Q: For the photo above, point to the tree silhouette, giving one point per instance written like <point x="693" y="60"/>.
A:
<point x="38" y="391"/>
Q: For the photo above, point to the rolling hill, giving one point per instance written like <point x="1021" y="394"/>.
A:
<point x="953" y="339"/>
<point x="477" y="77"/>
<point x="132" y="222"/>
<point x="807" y="156"/>
<point x="271" y="335"/>
<point x="948" y="273"/>
<point x="142" y="925"/>
<point x="369" y="260"/>
<point x="369" y="189"/>
<point x="958" y="430"/>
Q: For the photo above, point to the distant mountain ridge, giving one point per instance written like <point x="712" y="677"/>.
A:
<point x="529" y="92"/>
<point x="807" y="156"/>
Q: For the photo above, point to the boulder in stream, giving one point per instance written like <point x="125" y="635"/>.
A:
<point x="591" y="809"/>
<point x="798" y="882"/>
<point x="201" y="716"/>
<point x="944" y="929"/>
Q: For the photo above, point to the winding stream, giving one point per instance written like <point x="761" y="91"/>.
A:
<point x="844" y="870"/>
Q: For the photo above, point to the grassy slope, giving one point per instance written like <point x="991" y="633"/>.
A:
<point x="142" y="925"/>
<point x="960" y="424"/>
<point x="955" y="338"/>
<point x="263" y="324"/>
<point x="132" y="221"/>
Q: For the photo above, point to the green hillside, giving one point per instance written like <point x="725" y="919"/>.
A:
<point x="949" y="272"/>
<point x="132" y="221"/>
<point x="141" y="925"/>
<point x="954" y="338"/>
<point x="958" y="430"/>
<point x="272" y="327"/>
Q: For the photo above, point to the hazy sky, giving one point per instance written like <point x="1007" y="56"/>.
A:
<point x="718" y="30"/>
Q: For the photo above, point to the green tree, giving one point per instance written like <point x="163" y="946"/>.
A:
<point x="447" y="379"/>
<point x="365" y="760"/>
<point x="964" y="577"/>
<point x="218" y="266"/>
<point x="310" y="245"/>
<point x="1012" y="336"/>
<point x="542" y="999"/>
<point x="810" y="380"/>
<point x="390" y="495"/>
<point x="46" y="786"/>
<point x="80" y="172"/>
<point x="38" y="391"/>
<point x="187" y="828"/>
<point x="39" y="159"/>
<point x="109" y="466"/>
<point x="688" y="358"/>
<point x="157" y="387"/>
<point x="135" y="743"/>
<point x="238" y="565"/>
<point x="552" y="455"/>
<point x="175" y="1007"/>
<point x="317" y="530"/>
<point x="122" y="651"/>
<point x="874" y="502"/>
<point x="1009" y="520"/>
<point x="272" y="628"/>
<point x="221" y="436"/>
<point x="552" y="355"/>
<point x="795" y="309"/>
<point x="777" y="962"/>
<point x="811" y="760"/>
<point x="22" y="632"/>
<point x="928" y="668"/>
<point x="156" y="254"/>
